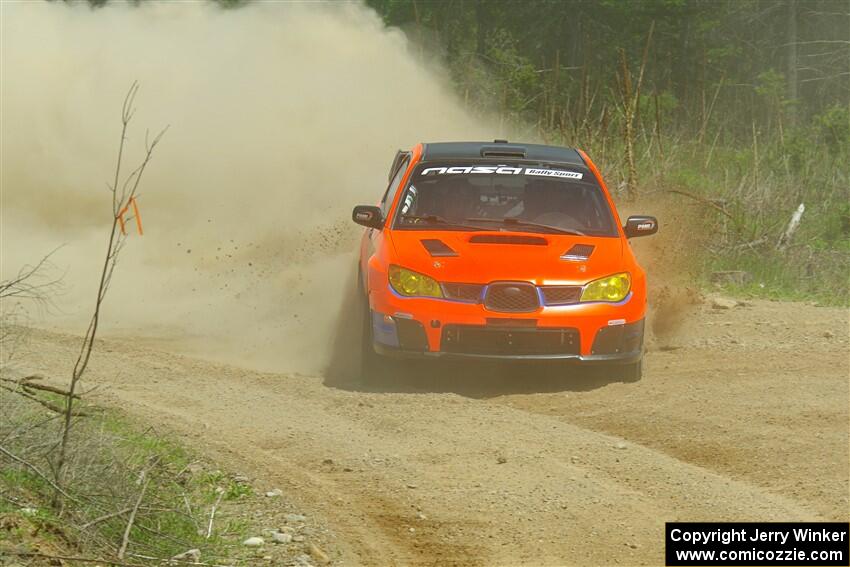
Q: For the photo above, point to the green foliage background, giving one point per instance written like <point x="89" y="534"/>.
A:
<point x="744" y="103"/>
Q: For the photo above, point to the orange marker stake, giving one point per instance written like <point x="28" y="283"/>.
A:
<point x="138" y="216"/>
<point x="120" y="218"/>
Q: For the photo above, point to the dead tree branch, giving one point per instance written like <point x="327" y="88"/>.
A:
<point x="38" y="472"/>
<point x="122" y="195"/>
<point x="106" y="517"/>
<point x="793" y="225"/>
<point x="26" y="284"/>
<point x="72" y="558"/>
<point x="132" y="519"/>
<point x="45" y="403"/>
<point x="212" y="514"/>
<point x="704" y="201"/>
<point x="27" y="382"/>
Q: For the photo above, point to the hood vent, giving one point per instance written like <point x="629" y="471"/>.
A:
<point x="508" y="239"/>
<point x="438" y="248"/>
<point x="578" y="253"/>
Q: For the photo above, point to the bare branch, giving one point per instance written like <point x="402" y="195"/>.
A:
<point x="72" y="558"/>
<point x="212" y="514"/>
<point x="704" y="201"/>
<point x="121" y="198"/>
<point x="38" y="472"/>
<point x="27" y="382"/>
<point x="30" y="283"/>
<point x="818" y="42"/>
<point x="105" y="517"/>
<point x="45" y="403"/>
<point x="131" y="520"/>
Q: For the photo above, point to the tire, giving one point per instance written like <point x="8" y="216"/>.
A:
<point x="374" y="369"/>
<point x="632" y="372"/>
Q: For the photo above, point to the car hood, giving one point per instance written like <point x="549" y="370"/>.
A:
<point x="486" y="256"/>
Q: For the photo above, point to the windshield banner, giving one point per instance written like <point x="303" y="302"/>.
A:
<point x="501" y="170"/>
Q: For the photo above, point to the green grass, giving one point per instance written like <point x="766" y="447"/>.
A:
<point x="108" y="454"/>
<point x="822" y="278"/>
<point x="760" y="196"/>
<point x="24" y="480"/>
<point x="760" y="183"/>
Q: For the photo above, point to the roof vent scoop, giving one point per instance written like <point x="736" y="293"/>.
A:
<point x="578" y="253"/>
<point x="438" y="248"/>
<point x="503" y="149"/>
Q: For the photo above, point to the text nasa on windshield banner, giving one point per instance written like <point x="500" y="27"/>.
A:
<point x="757" y="543"/>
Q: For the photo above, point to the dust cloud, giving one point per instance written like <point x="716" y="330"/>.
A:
<point x="282" y="116"/>
<point x="668" y="257"/>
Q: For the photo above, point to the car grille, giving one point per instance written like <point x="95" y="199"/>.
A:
<point x="517" y="341"/>
<point x="499" y="299"/>
<point x="462" y="291"/>
<point x="561" y="294"/>
<point x="511" y="297"/>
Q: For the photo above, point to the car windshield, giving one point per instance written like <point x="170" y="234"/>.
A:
<point x="556" y="199"/>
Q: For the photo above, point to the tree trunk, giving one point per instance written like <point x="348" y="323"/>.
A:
<point x="481" y="25"/>
<point x="791" y="77"/>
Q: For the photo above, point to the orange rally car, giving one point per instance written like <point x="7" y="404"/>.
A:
<point x="504" y="251"/>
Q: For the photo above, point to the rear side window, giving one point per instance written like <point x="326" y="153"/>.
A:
<point x="392" y="189"/>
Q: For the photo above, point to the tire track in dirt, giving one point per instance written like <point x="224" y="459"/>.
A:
<point x="759" y="393"/>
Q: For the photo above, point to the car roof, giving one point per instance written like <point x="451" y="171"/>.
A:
<point x="500" y="149"/>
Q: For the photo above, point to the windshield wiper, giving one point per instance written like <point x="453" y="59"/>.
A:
<point x="513" y="221"/>
<point x="435" y="219"/>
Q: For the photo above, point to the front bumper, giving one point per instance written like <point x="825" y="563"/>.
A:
<point x="619" y="358"/>
<point x="584" y="333"/>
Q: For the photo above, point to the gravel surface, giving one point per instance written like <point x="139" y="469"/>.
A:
<point x="742" y="416"/>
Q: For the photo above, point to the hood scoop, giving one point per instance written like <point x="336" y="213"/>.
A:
<point x="508" y="239"/>
<point x="438" y="248"/>
<point x="578" y="253"/>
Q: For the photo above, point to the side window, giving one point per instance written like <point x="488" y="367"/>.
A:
<point x="392" y="189"/>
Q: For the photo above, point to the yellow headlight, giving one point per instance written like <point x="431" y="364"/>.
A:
<point x="413" y="284"/>
<point x="612" y="288"/>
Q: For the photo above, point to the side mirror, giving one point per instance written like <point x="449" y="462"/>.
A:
<point x="369" y="216"/>
<point x="640" y="225"/>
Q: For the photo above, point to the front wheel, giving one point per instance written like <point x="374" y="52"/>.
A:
<point x="374" y="369"/>
<point x="632" y="372"/>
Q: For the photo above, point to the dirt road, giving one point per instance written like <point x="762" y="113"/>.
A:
<point x="744" y="416"/>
